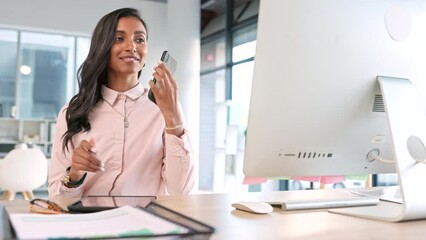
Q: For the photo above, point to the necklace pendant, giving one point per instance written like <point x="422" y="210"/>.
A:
<point x="126" y="123"/>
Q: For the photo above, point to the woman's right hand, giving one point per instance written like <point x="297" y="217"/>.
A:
<point x="84" y="160"/>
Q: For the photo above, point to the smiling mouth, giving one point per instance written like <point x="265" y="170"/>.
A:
<point x="130" y="59"/>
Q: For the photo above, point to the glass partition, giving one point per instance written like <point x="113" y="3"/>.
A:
<point x="46" y="67"/>
<point x="8" y="59"/>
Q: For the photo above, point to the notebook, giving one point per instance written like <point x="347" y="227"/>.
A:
<point x="152" y="221"/>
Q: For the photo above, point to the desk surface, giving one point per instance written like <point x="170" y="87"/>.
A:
<point x="216" y="210"/>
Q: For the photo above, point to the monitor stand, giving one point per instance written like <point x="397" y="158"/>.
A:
<point x="407" y="121"/>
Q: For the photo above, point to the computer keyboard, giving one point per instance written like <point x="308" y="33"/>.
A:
<point x="330" y="203"/>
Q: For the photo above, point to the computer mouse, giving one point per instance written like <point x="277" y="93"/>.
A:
<point x="253" y="207"/>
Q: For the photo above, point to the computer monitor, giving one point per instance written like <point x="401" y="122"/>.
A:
<point x="317" y="107"/>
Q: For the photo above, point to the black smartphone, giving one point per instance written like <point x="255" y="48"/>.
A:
<point x="170" y="63"/>
<point x="101" y="202"/>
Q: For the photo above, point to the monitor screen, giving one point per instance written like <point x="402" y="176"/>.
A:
<point x="316" y="106"/>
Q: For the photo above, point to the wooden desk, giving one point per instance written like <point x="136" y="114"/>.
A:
<point x="216" y="210"/>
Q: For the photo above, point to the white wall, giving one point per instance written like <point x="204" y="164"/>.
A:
<point x="80" y="17"/>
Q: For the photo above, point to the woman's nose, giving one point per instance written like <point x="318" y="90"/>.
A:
<point x="130" y="46"/>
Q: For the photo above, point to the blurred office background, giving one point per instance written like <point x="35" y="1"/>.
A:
<point x="42" y="44"/>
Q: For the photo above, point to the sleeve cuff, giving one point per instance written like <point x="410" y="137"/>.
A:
<point x="71" y="192"/>
<point x="178" y="146"/>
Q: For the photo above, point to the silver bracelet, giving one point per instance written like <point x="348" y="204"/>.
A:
<point x="174" y="127"/>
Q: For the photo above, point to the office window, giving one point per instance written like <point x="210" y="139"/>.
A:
<point x="212" y="121"/>
<point x="224" y="122"/>
<point x="38" y="72"/>
<point x="238" y="110"/>
<point x="243" y="52"/>
<point x="37" y="77"/>
<point x="213" y="54"/>
<point x="46" y="66"/>
<point x="8" y="58"/>
<point x="242" y="75"/>
<point x="244" y="43"/>
<point x="245" y="10"/>
<point x="225" y="95"/>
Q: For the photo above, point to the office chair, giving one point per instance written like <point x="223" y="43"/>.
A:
<point x="22" y="170"/>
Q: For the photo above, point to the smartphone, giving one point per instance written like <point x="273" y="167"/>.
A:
<point x="101" y="202"/>
<point x="170" y="63"/>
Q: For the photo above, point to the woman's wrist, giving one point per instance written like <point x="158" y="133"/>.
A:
<point x="72" y="180"/>
<point x="174" y="127"/>
<point x="177" y="130"/>
<point x="75" y="176"/>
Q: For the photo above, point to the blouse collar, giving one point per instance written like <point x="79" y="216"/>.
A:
<point x="111" y="95"/>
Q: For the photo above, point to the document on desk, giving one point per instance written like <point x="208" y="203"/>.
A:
<point x="122" y="222"/>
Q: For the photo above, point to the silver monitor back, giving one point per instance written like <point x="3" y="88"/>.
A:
<point x="316" y="107"/>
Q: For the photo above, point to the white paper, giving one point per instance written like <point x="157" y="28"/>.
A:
<point x="120" y="222"/>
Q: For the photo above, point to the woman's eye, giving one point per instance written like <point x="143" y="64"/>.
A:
<point x="118" y="39"/>
<point x="140" y="40"/>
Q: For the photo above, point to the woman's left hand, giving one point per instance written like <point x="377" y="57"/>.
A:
<point x="166" y="95"/>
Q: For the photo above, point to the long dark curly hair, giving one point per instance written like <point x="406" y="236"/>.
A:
<point x="92" y="74"/>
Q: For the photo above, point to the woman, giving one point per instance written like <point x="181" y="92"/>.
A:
<point x="111" y="139"/>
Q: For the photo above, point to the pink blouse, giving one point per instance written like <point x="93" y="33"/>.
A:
<point x="139" y="160"/>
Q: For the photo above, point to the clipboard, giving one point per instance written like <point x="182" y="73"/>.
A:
<point x="197" y="229"/>
<point x="96" y="203"/>
<point x="154" y="215"/>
